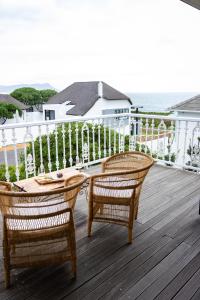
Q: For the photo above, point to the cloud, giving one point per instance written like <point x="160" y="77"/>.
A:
<point x="18" y="10"/>
<point x="138" y="45"/>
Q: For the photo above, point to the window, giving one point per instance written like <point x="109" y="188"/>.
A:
<point x="121" y="111"/>
<point x="49" y="115"/>
<point x="30" y="109"/>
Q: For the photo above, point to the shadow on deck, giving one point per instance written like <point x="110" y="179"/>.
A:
<point x="162" y="263"/>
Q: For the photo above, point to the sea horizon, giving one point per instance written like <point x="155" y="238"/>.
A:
<point x="159" y="101"/>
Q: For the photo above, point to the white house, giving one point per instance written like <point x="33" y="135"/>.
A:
<point x="189" y="108"/>
<point x="86" y="99"/>
<point x="188" y="132"/>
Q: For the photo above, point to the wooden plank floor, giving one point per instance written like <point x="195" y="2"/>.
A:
<point x="162" y="263"/>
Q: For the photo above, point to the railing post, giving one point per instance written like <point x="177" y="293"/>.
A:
<point x="77" y="144"/>
<point x="48" y="148"/>
<point x="63" y="140"/>
<point x="7" y="175"/>
<point x="70" y="145"/>
<point x="56" y="142"/>
<point x="14" y="139"/>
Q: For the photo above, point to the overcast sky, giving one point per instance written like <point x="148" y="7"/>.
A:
<point x="133" y="45"/>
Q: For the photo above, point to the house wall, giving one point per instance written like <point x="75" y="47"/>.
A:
<point x="35" y="116"/>
<point x="13" y="120"/>
<point x="103" y="104"/>
<point x="188" y="114"/>
<point x="60" y="110"/>
<point x="97" y="109"/>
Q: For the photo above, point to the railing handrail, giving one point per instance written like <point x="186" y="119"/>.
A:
<point x="77" y="119"/>
<point x="58" y="121"/>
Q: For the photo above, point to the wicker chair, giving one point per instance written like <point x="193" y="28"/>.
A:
<point x="38" y="228"/>
<point x="114" y="194"/>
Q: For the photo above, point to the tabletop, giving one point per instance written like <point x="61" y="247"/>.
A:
<point x="31" y="185"/>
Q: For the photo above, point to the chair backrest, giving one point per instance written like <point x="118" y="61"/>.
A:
<point x="38" y="204"/>
<point x="137" y="162"/>
<point x="117" y="181"/>
<point x="71" y="195"/>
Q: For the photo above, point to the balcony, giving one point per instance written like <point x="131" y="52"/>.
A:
<point x="163" y="262"/>
<point x="27" y="148"/>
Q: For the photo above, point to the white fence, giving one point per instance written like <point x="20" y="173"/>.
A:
<point x="53" y="145"/>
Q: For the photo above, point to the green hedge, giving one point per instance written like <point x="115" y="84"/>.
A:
<point x="12" y="172"/>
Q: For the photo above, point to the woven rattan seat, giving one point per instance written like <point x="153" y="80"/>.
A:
<point x="114" y="194"/>
<point x="38" y="228"/>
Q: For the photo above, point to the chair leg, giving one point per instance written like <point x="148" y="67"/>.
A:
<point x="89" y="227"/>
<point x="6" y="265"/>
<point x="73" y="254"/>
<point x="74" y="268"/>
<point x="136" y="213"/>
<point x="130" y="235"/>
<point x="7" y="276"/>
<point x="90" y="218"/>
<point x="136" y="210"/>
<point x="71" y="240"/>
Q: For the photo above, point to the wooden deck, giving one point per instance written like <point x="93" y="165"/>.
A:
<point x="162" y="263"/>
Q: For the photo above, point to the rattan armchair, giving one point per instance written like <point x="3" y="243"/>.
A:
<point x="114" y="194"/>
<point x="38" y="228"/>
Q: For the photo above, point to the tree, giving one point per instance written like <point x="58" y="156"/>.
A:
<point x="29" y="96"/>
<point x="46" y="94"/>
<point x="7" y="111"/>
<point x="32" y="97"/>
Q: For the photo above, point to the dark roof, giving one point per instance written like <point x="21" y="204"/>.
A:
<point x="5" y="98"/>
<point x="84" y="95"/>
<point x="194" y="3"/>
<point x="192" y="104"/>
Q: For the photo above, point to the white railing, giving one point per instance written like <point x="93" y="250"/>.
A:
<point x="29" y="148"/>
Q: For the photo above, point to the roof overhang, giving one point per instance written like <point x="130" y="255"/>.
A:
<point x="194" y="3"/>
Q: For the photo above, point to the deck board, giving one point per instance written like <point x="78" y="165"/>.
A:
<point x="162" y="263"/>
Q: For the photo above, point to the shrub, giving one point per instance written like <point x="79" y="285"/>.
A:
<point x="73" y="145"/>
<point x="12" y="172"/>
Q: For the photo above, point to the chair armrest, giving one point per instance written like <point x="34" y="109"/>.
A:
<point x="110" y="184"/>
<point x="117" y="173"/>
<point x="42" y="216"/>
<point x="7" y="185"/>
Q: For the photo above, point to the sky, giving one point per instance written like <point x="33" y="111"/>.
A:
<point x="133" y="45"/>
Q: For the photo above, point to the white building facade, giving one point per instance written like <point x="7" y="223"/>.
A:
<point x="101" y="105"/>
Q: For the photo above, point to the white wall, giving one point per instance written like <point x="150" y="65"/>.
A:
<point x="60" y="110"/>
<point x="188" y="114"/>
<point x="34" y="116"/>
<point x="102" y="104"/>
<point x="96" y="110"/>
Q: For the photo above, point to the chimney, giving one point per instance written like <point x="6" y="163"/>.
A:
<point x="100" y="89"/>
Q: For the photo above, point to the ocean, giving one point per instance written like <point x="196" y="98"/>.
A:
<point x="158" y="102"/>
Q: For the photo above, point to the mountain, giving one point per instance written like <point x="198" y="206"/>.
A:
<point x="7" y="89"/>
